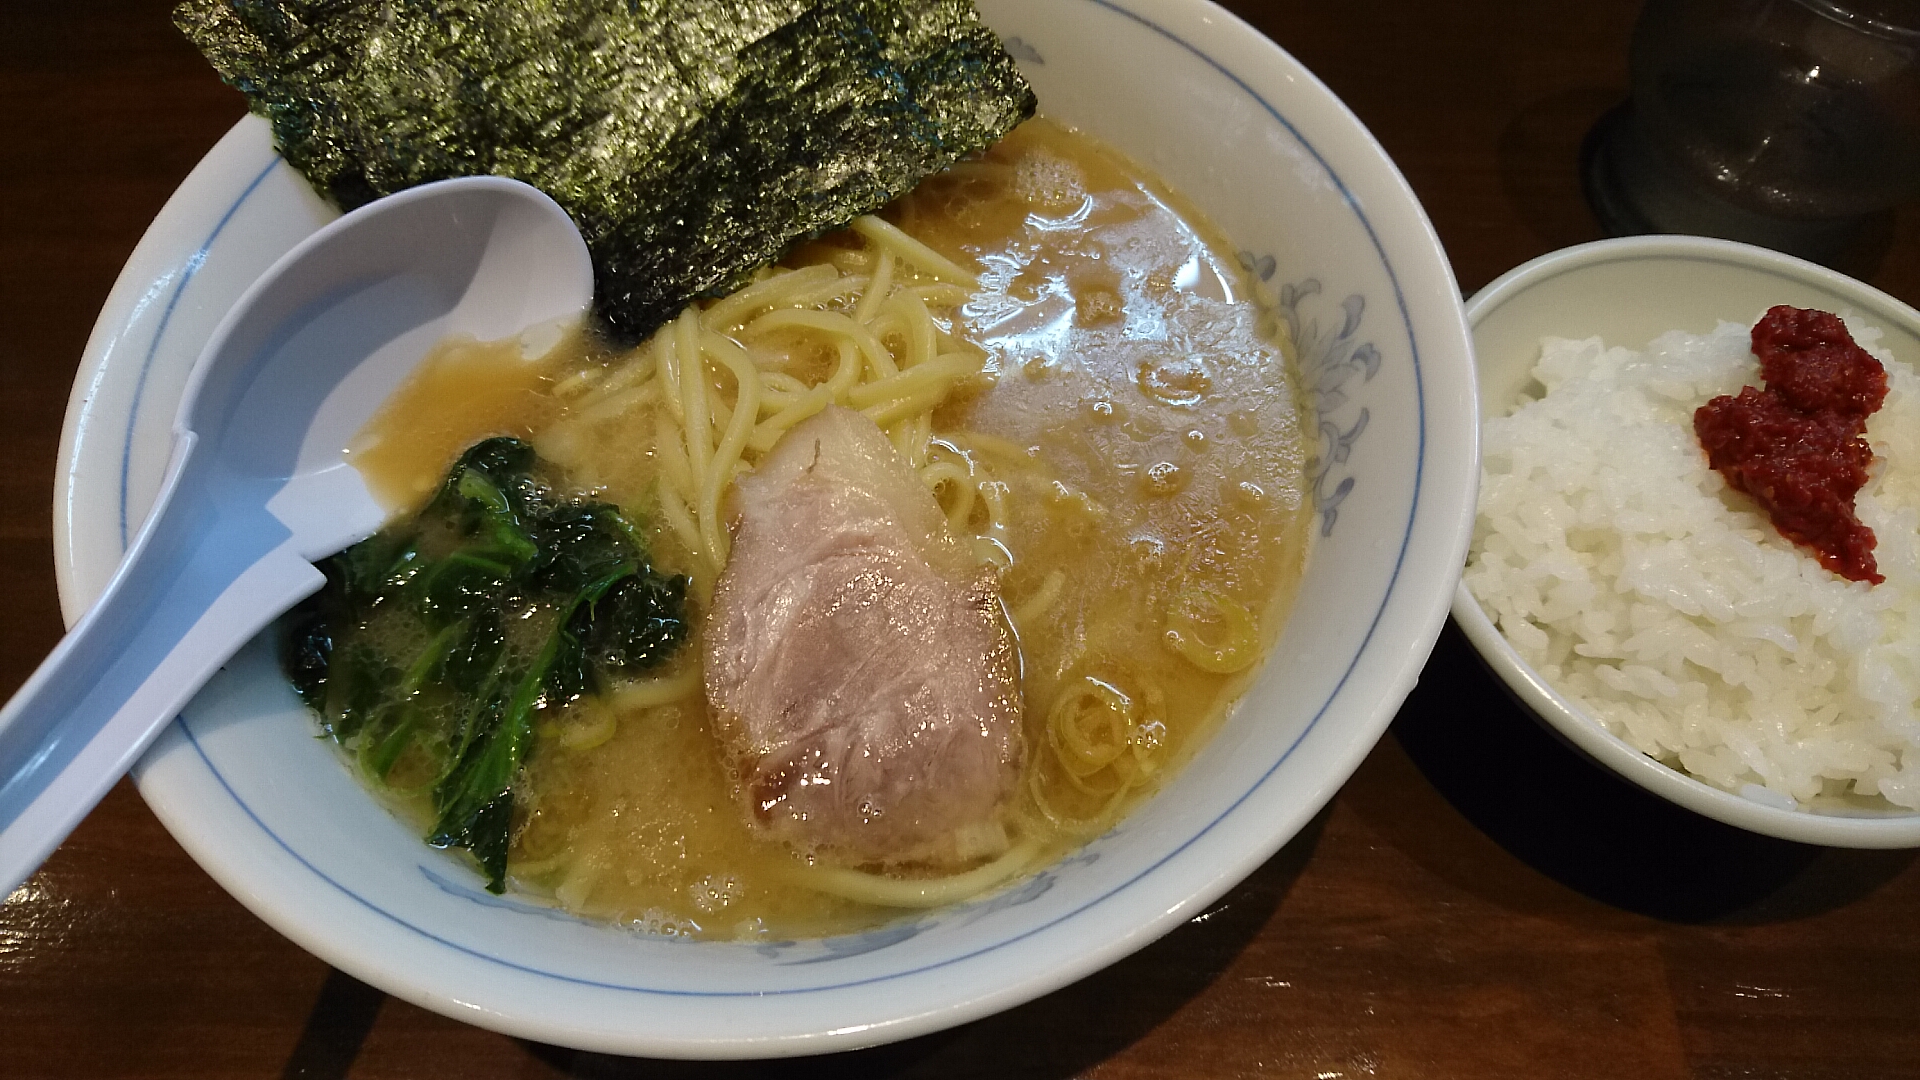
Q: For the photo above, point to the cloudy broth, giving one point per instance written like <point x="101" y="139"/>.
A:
<point x="1139" y="451"/>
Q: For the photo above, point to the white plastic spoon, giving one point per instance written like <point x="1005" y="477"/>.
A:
<point x="257" y="486"/>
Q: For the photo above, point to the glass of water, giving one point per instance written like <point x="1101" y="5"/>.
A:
<point x="1793" y="124"/>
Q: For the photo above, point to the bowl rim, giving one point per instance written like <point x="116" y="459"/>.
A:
<point x="1439" y="524"/>
<point x="1561" y="715"/>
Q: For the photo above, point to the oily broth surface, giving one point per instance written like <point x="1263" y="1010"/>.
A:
<point x="1159" y="431"/>
<point x="1146" y="441"/>
<point x="461" y="393"/>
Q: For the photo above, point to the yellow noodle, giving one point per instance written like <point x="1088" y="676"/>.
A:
<point x="935" y="375"/>
<point x="848" y="285"/>
<point x="901" y="436"/>
<point x="847" y="372"/>
<point x="584" y="732"/>
<point x="1115" y="784"/>
<point x="885" y="235"/>
<point x="830" y="322"/>
<point x="674" y="467"/>
<point x="922" y="438"/>
<point x="1073" y="827"/>
<point x="1043" y="598"/>
<point x="562" y="439"/>
<point x="667" y="363"/>
<point x="991" y="445"/>
<point x="696" y="427"/>
<point x="561" y="445"/>
<point x="990" y="552"/>
<point x="770" y="429"/>
<point x="661" y="690"/>
<point x="738" y="360"/>
<point x="1239" y="642"/>
<point x="947" y="446"/>
<point x="774" y="402"/>
<point x="1062" y="493"/>
<point x="768" y="292"/>
<point x="938" y="294"/>
<point x="918" y="324"/>
<point x="577" y="886"/>
<point x="891" y="411"/>
<point x="877" y="289"/>
<point x="993" y="495"/>
<point x="955" y="479"/>
<point x="674" y="508"/>
<point x="720" y="471"/>
<point x="915" y="892"/>
<point x="606" y="407"/>
<point x="887" y="328"/>
<point x="578" y="383"/>
<point x="779" y="382"/>
<point x="629" y="370"/>
<point x="1095" y="731"/>
<point x="523" y="870"/>
<point x="1106" y="707"/>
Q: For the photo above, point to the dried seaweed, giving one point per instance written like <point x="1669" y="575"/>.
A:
<point x="691" y="140"/>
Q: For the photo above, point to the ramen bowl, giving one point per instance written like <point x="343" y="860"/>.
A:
<point x="1627" y="292"/>
<point x="1341" y="256"/>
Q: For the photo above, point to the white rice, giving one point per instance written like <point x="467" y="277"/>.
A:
<point x="1642" y="587"/>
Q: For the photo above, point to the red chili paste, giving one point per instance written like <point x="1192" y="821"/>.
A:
<point x="1797" y="447"/>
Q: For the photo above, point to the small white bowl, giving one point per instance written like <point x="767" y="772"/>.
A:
<point x="1343" y="253"/>
<point x="1627" y="292"/>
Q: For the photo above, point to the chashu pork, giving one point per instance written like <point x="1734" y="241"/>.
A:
<point x="860" y="670"/>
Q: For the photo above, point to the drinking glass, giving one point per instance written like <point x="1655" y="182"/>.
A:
<point x="1792" y="124"/>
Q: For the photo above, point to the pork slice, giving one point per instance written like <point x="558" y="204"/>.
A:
<point x="861" y="673"/>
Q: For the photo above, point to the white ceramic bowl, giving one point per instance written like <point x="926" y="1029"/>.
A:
<point x="1628" y="292"/>
<point x="1345" y="254"/>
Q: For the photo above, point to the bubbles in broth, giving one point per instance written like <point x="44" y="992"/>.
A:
<point x="1111" y="431"/>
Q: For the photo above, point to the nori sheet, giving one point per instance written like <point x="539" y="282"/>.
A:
<point x="692" y="140"/>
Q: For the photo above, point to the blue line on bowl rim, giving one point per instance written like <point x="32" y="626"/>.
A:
<point x="192" y="267"/>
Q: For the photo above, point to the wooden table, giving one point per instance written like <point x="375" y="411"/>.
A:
<point x="1478" y="902"/>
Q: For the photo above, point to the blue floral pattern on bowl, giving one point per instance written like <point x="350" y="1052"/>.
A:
<point x="1328" y="360"/>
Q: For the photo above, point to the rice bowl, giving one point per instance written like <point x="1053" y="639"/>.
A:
<point x="1678" y="625"/>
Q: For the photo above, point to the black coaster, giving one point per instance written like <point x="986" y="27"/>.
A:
<point x="1633" y="191"/>
<point x="1600" y="181"/>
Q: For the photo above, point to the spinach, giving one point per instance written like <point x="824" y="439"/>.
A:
<point x="436" y="644"/>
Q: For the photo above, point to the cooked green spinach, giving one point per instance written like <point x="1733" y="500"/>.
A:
<point x="436" y="644"/>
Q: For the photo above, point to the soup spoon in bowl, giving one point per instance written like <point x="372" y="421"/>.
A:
<point x="258" y="487"/>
